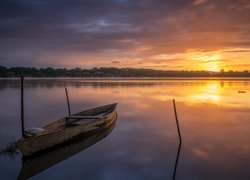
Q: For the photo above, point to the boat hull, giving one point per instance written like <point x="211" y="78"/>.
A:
<point x="34" y="165"/>
<point x="64" y="133"/>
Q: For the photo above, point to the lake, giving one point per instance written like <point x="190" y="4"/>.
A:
<point x="213" y="118"/>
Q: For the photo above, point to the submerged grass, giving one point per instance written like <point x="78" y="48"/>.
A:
<point x="10" y="150"/>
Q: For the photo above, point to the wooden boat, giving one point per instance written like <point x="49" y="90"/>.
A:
<point x="37" y="164"/>
<point x="66" y="129"/>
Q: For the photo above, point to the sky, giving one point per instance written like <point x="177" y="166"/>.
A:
<point x="156" y="34"/>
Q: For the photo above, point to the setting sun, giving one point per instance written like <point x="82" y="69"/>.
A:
<point x="211" y="63"/>
<point x="208" y="61"/>
<point x="213" y="67"/>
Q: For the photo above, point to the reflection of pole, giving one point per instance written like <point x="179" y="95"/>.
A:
<point x="22" y="107"/>
<point x="177" y="160"/>
<point x="66" y="91"/>
<point x="179" y="147"/>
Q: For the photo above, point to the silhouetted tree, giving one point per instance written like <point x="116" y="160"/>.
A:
<point x="112" y="72"/>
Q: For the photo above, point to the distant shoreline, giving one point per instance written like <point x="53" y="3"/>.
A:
<point x="130" y="79"/>
<point x="117" y="73"/>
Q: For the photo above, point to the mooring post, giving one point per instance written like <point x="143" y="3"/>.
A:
<point x="22" y="105"/>
<point x="66" y="91"/>
<point x="180" y="142"/>
<point x="177" y="122"/>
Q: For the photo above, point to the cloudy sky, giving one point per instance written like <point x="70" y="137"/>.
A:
<point x="158" y="34"/>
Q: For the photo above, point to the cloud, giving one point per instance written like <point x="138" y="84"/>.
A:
<point x="211" y="7"/>
<point x="237" y="66"/>
<point x="164" y="66"/>
<point x="200" y="153"/>
<point x="198" y="2"/>
<point x="216" y="60"/>
<point x="34" y="32"/>
<point x="237" y="51"/>
<point x="115" y="62"/>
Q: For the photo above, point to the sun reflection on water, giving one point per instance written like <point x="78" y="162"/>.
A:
<point x="213" y="117"/>
<point x="211" y="93"/>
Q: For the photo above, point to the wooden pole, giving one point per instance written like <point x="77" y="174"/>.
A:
<point x="22" y="106"/>
<point x="66" y="91"/>
<point x="179" y="147"/>
<point x="177" y="122"/>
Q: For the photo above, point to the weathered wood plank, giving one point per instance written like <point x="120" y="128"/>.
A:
<point x="84" y="117"/>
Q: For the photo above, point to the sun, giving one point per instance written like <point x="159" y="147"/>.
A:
<point x="213" y="67"/>
<point x="212" y="62"/>
<point x="206" y="61"/>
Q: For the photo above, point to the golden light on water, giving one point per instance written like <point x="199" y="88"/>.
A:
<point x="211" y="93"/>
<point x="156" y="93"/>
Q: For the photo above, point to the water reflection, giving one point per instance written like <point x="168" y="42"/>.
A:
<point x="113" y="83"/>
<point x="37" y="164"/>
<point x="214" y="120"/>
<point x="177" y="160"/>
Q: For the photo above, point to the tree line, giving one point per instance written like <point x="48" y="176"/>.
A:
<point x="112" y="72"/>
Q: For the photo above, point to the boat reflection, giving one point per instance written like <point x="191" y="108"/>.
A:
<point x="38" y="164"/>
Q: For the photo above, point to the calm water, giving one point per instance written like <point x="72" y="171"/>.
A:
<point x="213" y="116"/>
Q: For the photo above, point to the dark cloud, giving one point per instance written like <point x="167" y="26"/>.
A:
<point x="36" y="29"/>
<point x="236" y="51"/>
<point x="115" y="62"/>
<point x="220" y="60"/>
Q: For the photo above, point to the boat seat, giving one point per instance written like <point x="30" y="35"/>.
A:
<point x="85" y="117"/>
